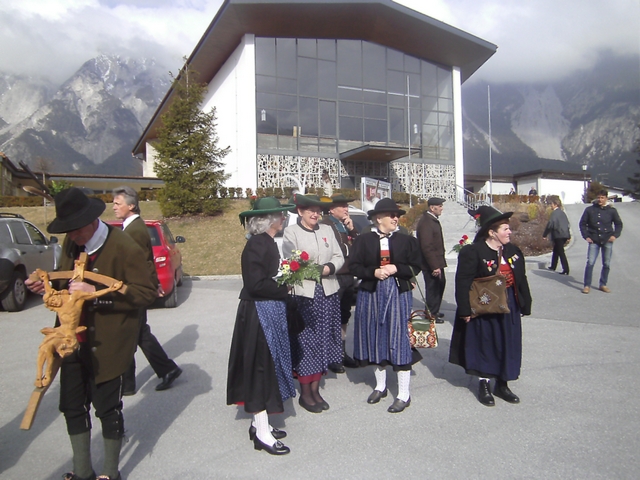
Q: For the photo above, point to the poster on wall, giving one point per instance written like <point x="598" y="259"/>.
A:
<point x="372" y="190"/>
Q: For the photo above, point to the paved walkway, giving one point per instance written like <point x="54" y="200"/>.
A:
<point x="579" y="417"/>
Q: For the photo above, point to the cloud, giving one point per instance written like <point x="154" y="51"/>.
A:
<point x="540" y="40"/>
<point x="537" y="39"/>
<point x="54" y="38"/>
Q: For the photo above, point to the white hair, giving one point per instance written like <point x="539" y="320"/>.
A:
<point x="261" y="223"/>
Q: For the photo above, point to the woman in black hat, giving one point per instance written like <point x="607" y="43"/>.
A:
<point x="259" y="374"/>
<point x="490" y="346"/>
<point x="384" y="258"/>
<point x="320" y="343"/>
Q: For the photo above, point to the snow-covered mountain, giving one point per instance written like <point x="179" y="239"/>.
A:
<point x="589" y="118"/>
<point x="91" y="122"/>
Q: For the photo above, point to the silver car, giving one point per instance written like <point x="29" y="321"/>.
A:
<point x="23" y="248"/>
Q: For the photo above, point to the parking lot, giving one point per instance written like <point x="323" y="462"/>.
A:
<point x="579" y="417"/>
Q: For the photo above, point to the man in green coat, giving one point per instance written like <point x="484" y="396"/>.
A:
<point x="127" y="209"/>
<point x="92" y="375"/>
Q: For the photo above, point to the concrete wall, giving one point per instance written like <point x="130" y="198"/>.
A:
<point x="232" y="93"/>
<point x="569" y="191"/>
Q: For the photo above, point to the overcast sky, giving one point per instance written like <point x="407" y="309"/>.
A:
<point x="537" y="39"/>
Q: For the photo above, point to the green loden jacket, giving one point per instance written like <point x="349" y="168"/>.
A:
<point x="112" y="328"/>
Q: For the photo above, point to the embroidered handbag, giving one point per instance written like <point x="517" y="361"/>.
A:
<point x="422" y="330"/>
<point x="488" y="295"/>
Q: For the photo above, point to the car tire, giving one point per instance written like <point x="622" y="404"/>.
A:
<point x="171" y="300"/>
<point x="180" y="275"/>
<point x="15" y="296"/>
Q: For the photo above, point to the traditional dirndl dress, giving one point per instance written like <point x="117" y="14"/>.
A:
<point x="320" y="343"/>
<point x="381" y="335"/>
<point x="259" y="373"/>
<point x="493" y="343"/>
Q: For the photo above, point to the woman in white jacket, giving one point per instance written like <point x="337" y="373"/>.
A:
<point x="320" y="343"/>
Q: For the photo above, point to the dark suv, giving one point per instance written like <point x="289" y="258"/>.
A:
<point x="23" y="248"/>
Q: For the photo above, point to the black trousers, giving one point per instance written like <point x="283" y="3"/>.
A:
<point x="434" y="290"/>
<point x="347" y="295"/>
<point x="558" y="253"/>
<point x="78" y="391"/>
<point x="156" y="356"/>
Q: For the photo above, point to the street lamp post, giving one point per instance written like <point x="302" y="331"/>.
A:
<point x="584" y="181"/>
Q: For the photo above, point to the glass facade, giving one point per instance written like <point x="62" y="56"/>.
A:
<point x="330" y="96"/>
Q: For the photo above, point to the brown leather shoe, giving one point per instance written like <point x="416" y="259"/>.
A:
<point x="605" y="289"/>
<point x="586" y="289"/>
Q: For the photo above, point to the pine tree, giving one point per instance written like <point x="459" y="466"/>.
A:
<point x="635" y="180"/>
<point x="188" y="158"/>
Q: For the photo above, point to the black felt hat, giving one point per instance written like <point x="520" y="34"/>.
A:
<point x="386" y="205"/>
<point x="435" y="201"/>
<point x="74" y="210"/>
<point x="487" y="216"/>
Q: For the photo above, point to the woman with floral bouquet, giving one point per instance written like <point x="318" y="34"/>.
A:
<point x="385" y="260"/>
<point x="320" y="343"/>
<point x="259" y="375"/>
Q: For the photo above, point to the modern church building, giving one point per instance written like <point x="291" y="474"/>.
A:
<point x="359" y="88"/>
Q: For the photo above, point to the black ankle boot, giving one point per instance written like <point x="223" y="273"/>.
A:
<point x="484" y="394"/>
<point x="504" y="392"/>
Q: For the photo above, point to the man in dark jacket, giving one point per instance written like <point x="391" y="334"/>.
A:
<point x="600" y="226"/>
<point x="430" y="237"/>
<point x="92" y="375"/>
<point x="126" y="208"/>
<point x="345" y="231"/>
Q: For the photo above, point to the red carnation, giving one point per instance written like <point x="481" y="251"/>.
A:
<point x="461" y="242"/>
<point x="304" y="256"/>
<point x="464" y="237"/>
<point x="295" y="266"/>
<point x="285" y="262"/>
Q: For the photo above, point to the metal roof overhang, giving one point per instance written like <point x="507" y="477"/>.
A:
<point x="375" y="153"/>
<point x="379" y="21"/>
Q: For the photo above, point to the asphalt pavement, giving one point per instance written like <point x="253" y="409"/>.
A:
<point x="579" y="415"/>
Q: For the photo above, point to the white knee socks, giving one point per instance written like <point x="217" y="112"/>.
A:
<point x="381" y="379"/>
<point x="404" y="379"/>
<point x="263" y="429"/>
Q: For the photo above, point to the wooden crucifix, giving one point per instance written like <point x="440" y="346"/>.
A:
<point x="61" y="341"/>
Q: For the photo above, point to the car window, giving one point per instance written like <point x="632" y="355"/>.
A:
<point x="5" y="236"/>
<point x="19" y="233"/>
<point x="153" y="233"/>
<point x="360" y="221"/>
<point x="37" y="238"/>
<point x="167" y="235"/>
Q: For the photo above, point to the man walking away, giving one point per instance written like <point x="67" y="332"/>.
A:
<point x="431" y="241"/>
<point x="126" y="208"/>
<point x="600" y="226"/>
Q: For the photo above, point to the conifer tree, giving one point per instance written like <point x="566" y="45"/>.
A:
<point x="188" y="158"/>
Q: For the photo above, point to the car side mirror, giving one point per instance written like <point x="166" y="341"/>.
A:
<point x="180" y="239"/>
<point x="53" y="240"/>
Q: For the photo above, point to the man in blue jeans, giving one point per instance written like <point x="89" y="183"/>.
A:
<point x="600" y="225"/>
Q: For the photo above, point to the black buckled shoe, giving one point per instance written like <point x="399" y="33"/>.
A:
<point x="277" y="434"/>
<point x="337" y="367"/>
<point x="277" y="448"/>
<point x="349" y="362"/>
<point x="73" y="476"/>
<point x="376" y="395"/>
<point x="484" y="394"/>
<point x="504" y="392"/>
<point x="169" y="378"/>
<point x="398" y="405"/>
